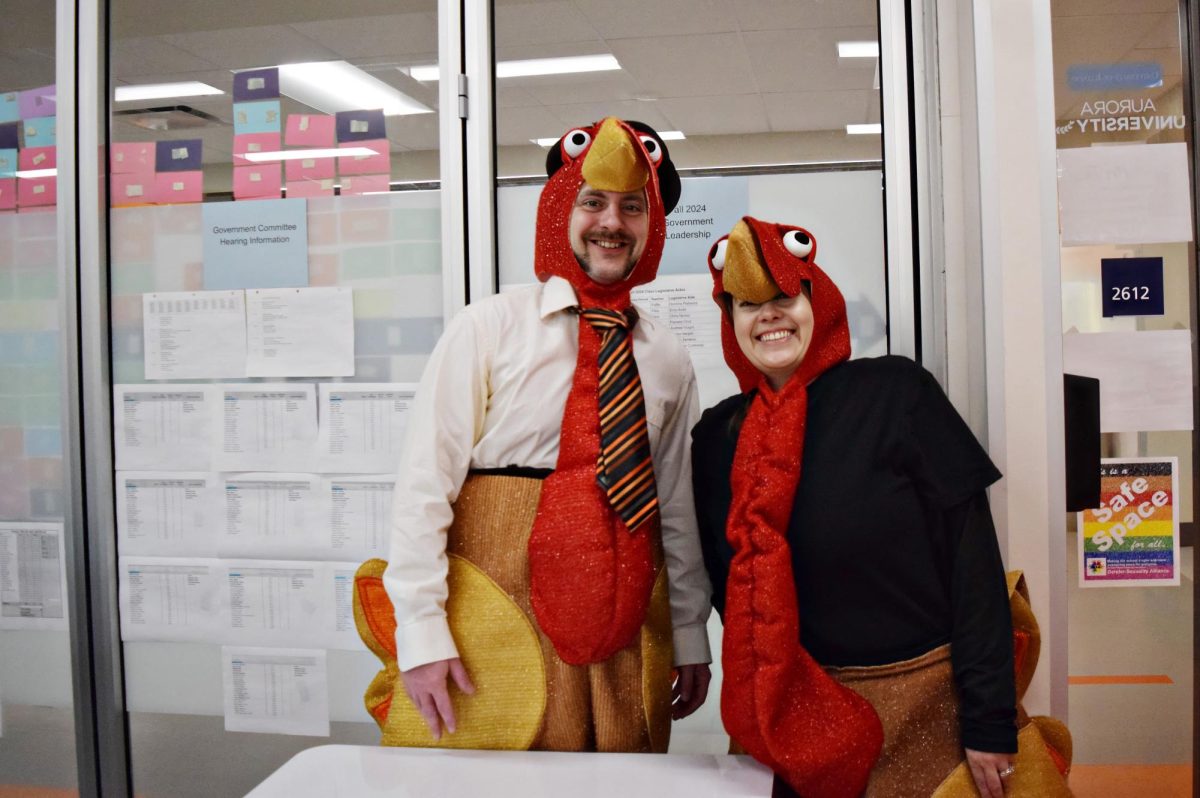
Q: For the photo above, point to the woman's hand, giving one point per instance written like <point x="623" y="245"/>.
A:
<point x="989" y="771"/>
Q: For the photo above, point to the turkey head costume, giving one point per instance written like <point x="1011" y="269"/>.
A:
<point x="591" y="572"/>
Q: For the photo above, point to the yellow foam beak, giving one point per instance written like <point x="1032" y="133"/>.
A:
<point x="744" y="276"/>
<point x="611" y="164"/>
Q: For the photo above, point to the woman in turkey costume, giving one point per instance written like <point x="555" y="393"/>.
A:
<point x="846" y="531"/>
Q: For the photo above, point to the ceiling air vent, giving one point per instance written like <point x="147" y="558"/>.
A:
<point x="168" y="117"/>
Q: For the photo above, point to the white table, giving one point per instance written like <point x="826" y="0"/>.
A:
<point x="354" y="771"/>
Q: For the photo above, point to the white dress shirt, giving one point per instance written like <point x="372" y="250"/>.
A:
<point x="492" y="396"/>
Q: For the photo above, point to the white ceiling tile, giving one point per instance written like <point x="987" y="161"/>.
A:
<point x="715" y="116"/>
<point x="132" y="58"/>
<point x="587" y="113"/>
<point x="1077" y="8"/>
<point x="397" y="37"/>
<point x="510" y="96"/>
<point x="590" y="87"/>
<point x="518" y="128"/>
<point x="1103" y="39"/>
<point x="687" y="66"/>
<point x="617" y="19"/>
<point x="790" y="14"/>
<point x="247" y="48"/>
<point x="1163" y="33"/>
<point x="806" y="60"/>
<point x="516" y="52"/>
<point x="820" y="110"/>
<point x="520" y="24"/>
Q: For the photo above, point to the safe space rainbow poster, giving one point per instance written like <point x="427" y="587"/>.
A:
<point x="1132" y="538"/>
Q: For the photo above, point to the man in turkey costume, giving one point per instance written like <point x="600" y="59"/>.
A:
<point x="544" y="554"/>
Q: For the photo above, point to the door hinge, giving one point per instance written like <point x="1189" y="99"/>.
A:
<point x="462" y="96"/>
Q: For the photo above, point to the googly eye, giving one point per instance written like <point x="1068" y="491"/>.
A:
<point x="717" y="256"/>
<point x="798" y="243"/>
<point x="653" y="148"/>
<point x="575" y="142"/>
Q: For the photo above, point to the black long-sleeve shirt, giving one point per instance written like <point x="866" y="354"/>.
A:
<point x="893" y="548"/>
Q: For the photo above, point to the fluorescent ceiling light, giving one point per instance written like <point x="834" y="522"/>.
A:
<point x="533" y="66"/>
<point x="158" y="91"/>
<point x="858" y="49"/>
<point x="296" y="155"/>
<point x="665" y="135"/>
<point x="30" y="173"/>
<point x="333" y="86"/>
<point x="873" y="128"/>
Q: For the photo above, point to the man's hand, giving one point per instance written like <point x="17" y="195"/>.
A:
<point x="989" y="771"/>
<point x="426" y="686"/>
<point x="690" y="689"/>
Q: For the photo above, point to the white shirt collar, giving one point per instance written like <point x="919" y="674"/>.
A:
<point x="559" y="295"/>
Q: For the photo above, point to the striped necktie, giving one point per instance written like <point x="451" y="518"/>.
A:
<point x="624" y="468"/>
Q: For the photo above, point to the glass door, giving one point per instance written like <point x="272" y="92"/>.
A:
<point x="1124" y="130"/>
<point x="276" y="279"/>
<point x="37" y="725"/>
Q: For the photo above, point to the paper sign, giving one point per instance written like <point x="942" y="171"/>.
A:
<point x="365" y="184"/>
<point x="10" y="108"/>
<point x="275" y="690"/>
<point x="164" y="427"/>
<point x="1132" y="194"/>
<point x="1132" y="286"/>
<point x="254" y="142"/>
<point x="182" y="155"/>
<point x="133" y="189"/>
<point x="264" y="181"/>
<point x="1145" y="377"/>
<point x="38" y="102"/>
<point x="379" y="163"/>
<point x="33" y="580"/>
<point x="39" y="132"/>
<point x="256" y="117"/>
<point x="267" y="427"/>
<point x="708" y="208"/>
<point x="175" y="187"/>
<point x="194" y="335"/>
<point x="38" y="158"/>
<point x="360" y="125"/>
<point x="167" y="513"/>
<point x="33" y="191"/>
<point x="136" y="157"/>
<point x="310" y="168"/>
<point x="255" y="244"/>
<point x="1132" y="539"/>
<point x="170" y="598"/>
<point x="256" y="84"/>
<point x="310" y="130"/>
<point x="362" y="425"/>
<point x="300" y="332"/>
<point x="300" y="189"/>
<point x="273" y="515"/>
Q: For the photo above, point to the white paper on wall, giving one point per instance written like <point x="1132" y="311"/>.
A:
<point x="267" y="427"/>
<point x="170" y="599"/>
<point x="33" y="577"/>
<point x="168" y="513"/>
<point x="362" y="426"/>
<point x="1130" y="194"/>
<point x="275" y="690"/>
<point x="164" y="427"/>
<point x="1145" y="377"/>
<point x="300" y="332"/>
<point x="194" y="335"/>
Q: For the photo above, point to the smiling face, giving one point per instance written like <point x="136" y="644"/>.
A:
<point x="774" y="336"/>
<point x="608" y="232"/>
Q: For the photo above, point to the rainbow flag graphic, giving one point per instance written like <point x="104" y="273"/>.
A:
<point x="1132" y="538"/>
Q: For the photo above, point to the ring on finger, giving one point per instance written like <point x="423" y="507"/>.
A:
<point x="1008" y="771"/>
